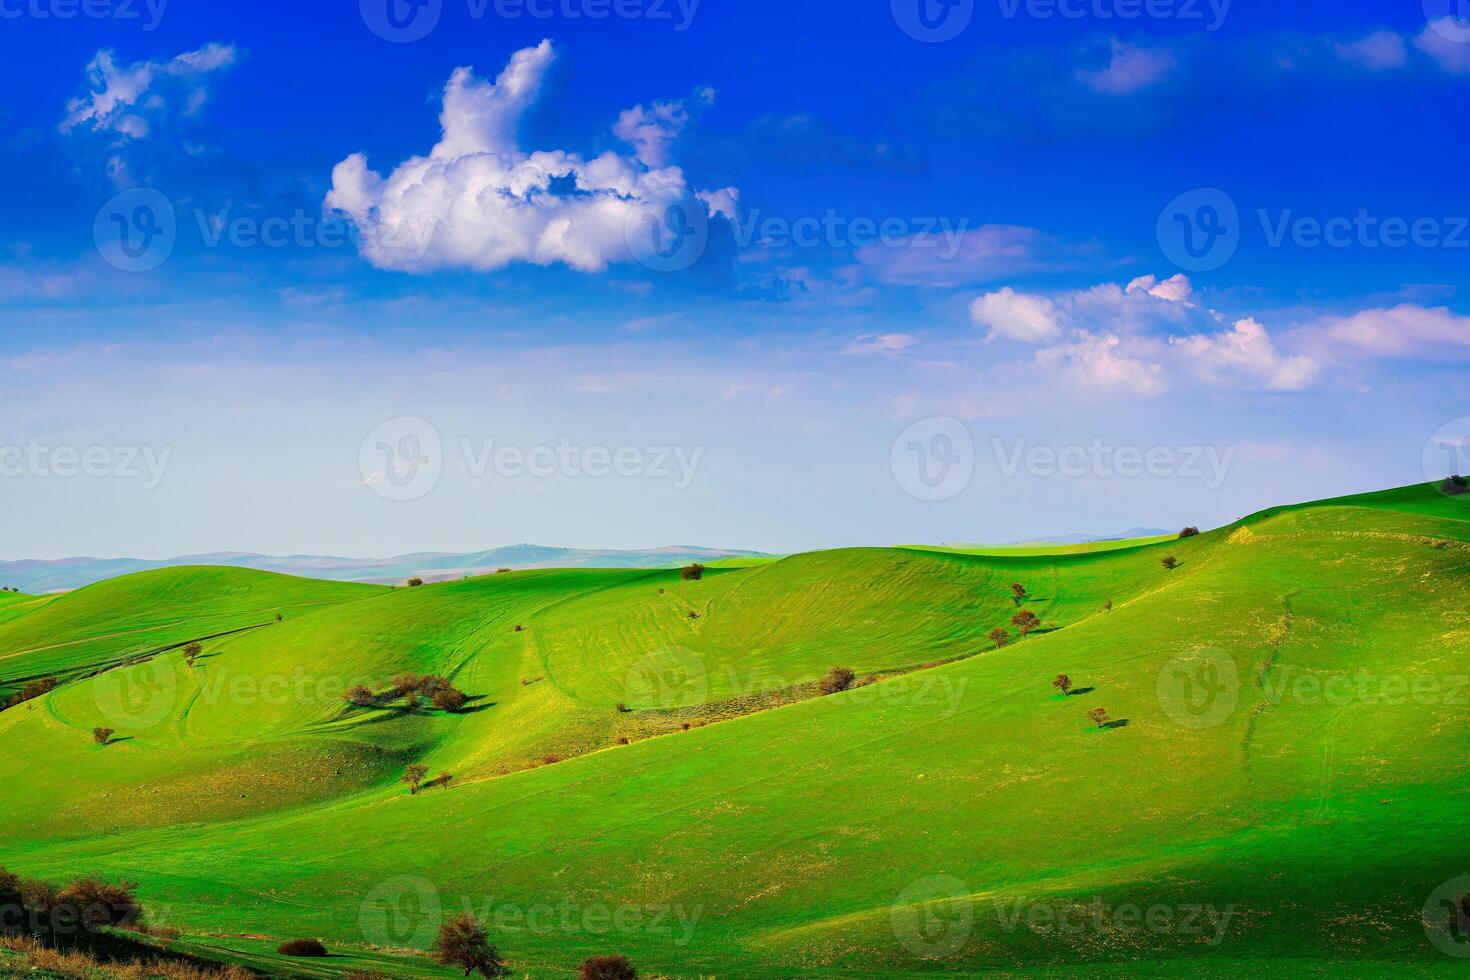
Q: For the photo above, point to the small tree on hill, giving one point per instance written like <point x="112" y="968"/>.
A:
<point x="1025" y="621"/>
<point x="359" y="695"/>
<point x="413" y="776"/>
<point x="1170" y="562"/>
<point x="1000" y="637"/>
<point x="448" y="699"/>
<point x="415" y="582"/>
<point x="1108" y="606"/>
<point x="463" y="943"/>
<point x="837" y="679"/>
<point x="1454" y="486"/>
<point x="1099" y="717"/>
<point x="1189" y="532"/>
<point x="692" y="573"/>
<point x="102" y="735"/>
<point x="192" y="652"/>
<point x="99" y="903"/>
<point x="1063" y="683"/>
<point x="1018" y="592"/>
<point x="606" y="968"/>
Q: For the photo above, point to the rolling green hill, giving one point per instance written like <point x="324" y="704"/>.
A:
<point x="1280" y="780"/>
<point x="78" y="632"/>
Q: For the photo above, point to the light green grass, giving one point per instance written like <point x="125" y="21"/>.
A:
<point x="797" y="840"/>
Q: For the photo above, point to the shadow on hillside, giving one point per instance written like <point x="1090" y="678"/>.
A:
<point x="1079" y="691"/>
<point x="1120" y="723"/>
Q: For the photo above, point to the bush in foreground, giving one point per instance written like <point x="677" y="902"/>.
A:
<point x="449" y="699"/>
<point x="837" y="679"/>
<point x="463" y="943"/>
<point x="301" y="947"/>
<point x="692" y="573"/>
<point x="606" y="968"/>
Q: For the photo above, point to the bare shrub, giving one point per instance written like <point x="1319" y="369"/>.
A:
<point x="837" y="679"/>
<point x="301" y="947"/>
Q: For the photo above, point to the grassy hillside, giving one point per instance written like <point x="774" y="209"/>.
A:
<point x="73" y="634"/>
<point x="1282" y="779"/>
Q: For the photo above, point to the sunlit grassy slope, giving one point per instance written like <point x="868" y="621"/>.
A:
<point x="79" y="632"/>
<point x="1286" y="776"/>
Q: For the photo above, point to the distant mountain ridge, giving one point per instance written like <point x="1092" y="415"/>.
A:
<point x="37" y="576"/>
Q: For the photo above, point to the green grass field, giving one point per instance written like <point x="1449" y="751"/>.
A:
<point x="1281" y="788"/>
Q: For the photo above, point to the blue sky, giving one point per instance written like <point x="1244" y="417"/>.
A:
<point x="1041" y="267"/>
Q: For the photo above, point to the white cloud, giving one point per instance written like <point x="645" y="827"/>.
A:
<point x="1378" y="51"/>
<point x="1175" y="289"/>
<point x="1131" y="68"/>
<point x="1446" y="41"/>
<point x="1245" y="356"/>
<point x="886" y="345"/>
<point x="1011" y="315"/>
<point x="1102" y="362"/>
<point x="1109" y="337"/>
<point x="1405" y="330"/>
<point x="127" y="100"/>
<point x="650" y="131"/>
<point x="479" y="201"/>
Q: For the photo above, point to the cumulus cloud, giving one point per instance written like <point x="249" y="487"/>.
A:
<point x="1446" y="41"/>
<point x="650" y="131"/>
<point x="1017" y="316"/>
<point x="885" y="345"/>
<point x="1378" y="51"/>
<point x="1113" y="337"/>
<point x="1102" y="362"/>
<point x="1175" y="289"/>
<point x="1245" y="356"/>
<point x="1130" y="69"/>
<point x="1405" y="330"/>
<point x="129" y="100"/>
<point x="479" y="201"/>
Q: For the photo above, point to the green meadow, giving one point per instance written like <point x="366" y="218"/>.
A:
<point x="1278" y="783"/>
